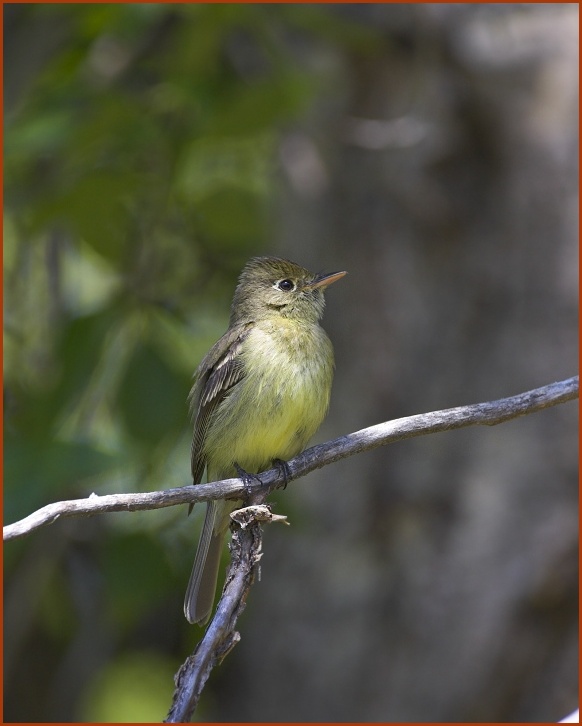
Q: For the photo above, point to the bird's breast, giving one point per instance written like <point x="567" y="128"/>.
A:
<point x="282" y="398"/>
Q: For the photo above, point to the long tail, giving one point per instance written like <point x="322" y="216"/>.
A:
<point x="202" y="584"/>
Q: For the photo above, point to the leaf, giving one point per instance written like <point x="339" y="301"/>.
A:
<point x="93" y="207"/>
<point x="79" y="351"/>
<point x="138" y="575"/>
<point x="38" y="472"/>
<point x="136" y="687"/>
<point x="233" y="218"/>
<point x="255" y="107"/>
<point x="152" y="396"/>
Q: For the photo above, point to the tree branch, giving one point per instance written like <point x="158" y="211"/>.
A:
<point x="489" y="413"/>
<point x="221" y="636"/>
<point x="245" y="548"/>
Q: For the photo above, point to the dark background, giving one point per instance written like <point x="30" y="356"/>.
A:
<point x="431" y="151"/>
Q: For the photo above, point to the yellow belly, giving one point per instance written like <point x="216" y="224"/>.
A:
<point x="278" y="405"/>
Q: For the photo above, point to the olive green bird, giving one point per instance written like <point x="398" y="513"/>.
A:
<point x="259" y="395"/>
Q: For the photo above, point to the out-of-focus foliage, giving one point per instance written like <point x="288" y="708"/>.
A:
<point x="430" y="150"/>
<point x="140" y="151"/>
<point x="133" y="688"/>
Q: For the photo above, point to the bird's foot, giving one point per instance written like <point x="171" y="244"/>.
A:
<point x="248" y="479"/>
<point x="284" y="470"/>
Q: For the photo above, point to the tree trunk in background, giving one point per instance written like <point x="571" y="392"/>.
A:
<point x="435" y="579"/>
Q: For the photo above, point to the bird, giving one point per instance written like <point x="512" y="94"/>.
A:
<point x="258" y="396"/>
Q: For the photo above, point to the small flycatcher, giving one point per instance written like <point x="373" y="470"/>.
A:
<point x="259" y="395"/>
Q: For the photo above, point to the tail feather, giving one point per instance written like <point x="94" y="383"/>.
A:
<point x="202" y="584"/>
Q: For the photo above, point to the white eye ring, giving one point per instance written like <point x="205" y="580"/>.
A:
<point x="284" y="285"/>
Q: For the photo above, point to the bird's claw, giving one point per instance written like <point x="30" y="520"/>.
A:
<point x="284" y="470"/>
<point x="247" y="479"/>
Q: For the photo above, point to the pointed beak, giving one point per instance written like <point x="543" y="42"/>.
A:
<point x="325" y="280"/>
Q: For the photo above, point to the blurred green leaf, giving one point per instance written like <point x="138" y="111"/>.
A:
<point x="38" y="135"/>
<point x="151" y="396"/>
<point x="263" y="104"/>
<point x="343" y="31"/>
<point x="231" y="218"/>
<point x="79" y="352"/>
<point x="212" y="164"/>
<point x="135" y="688"/>
<point x="137" y="573"/>
<point x="57" y="611"/>
<point x="38" y="472"/>
<point x="141" y="167"/>
<point x="95" y="209"/>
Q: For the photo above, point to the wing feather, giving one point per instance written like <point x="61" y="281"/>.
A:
<point x="220" y="370"/>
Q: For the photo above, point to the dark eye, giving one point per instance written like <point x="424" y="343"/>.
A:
<point x="286" y="285"/>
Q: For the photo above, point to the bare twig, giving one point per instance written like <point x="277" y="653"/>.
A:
<point x="221" y="636"/>
<point x="489" y="413"/>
